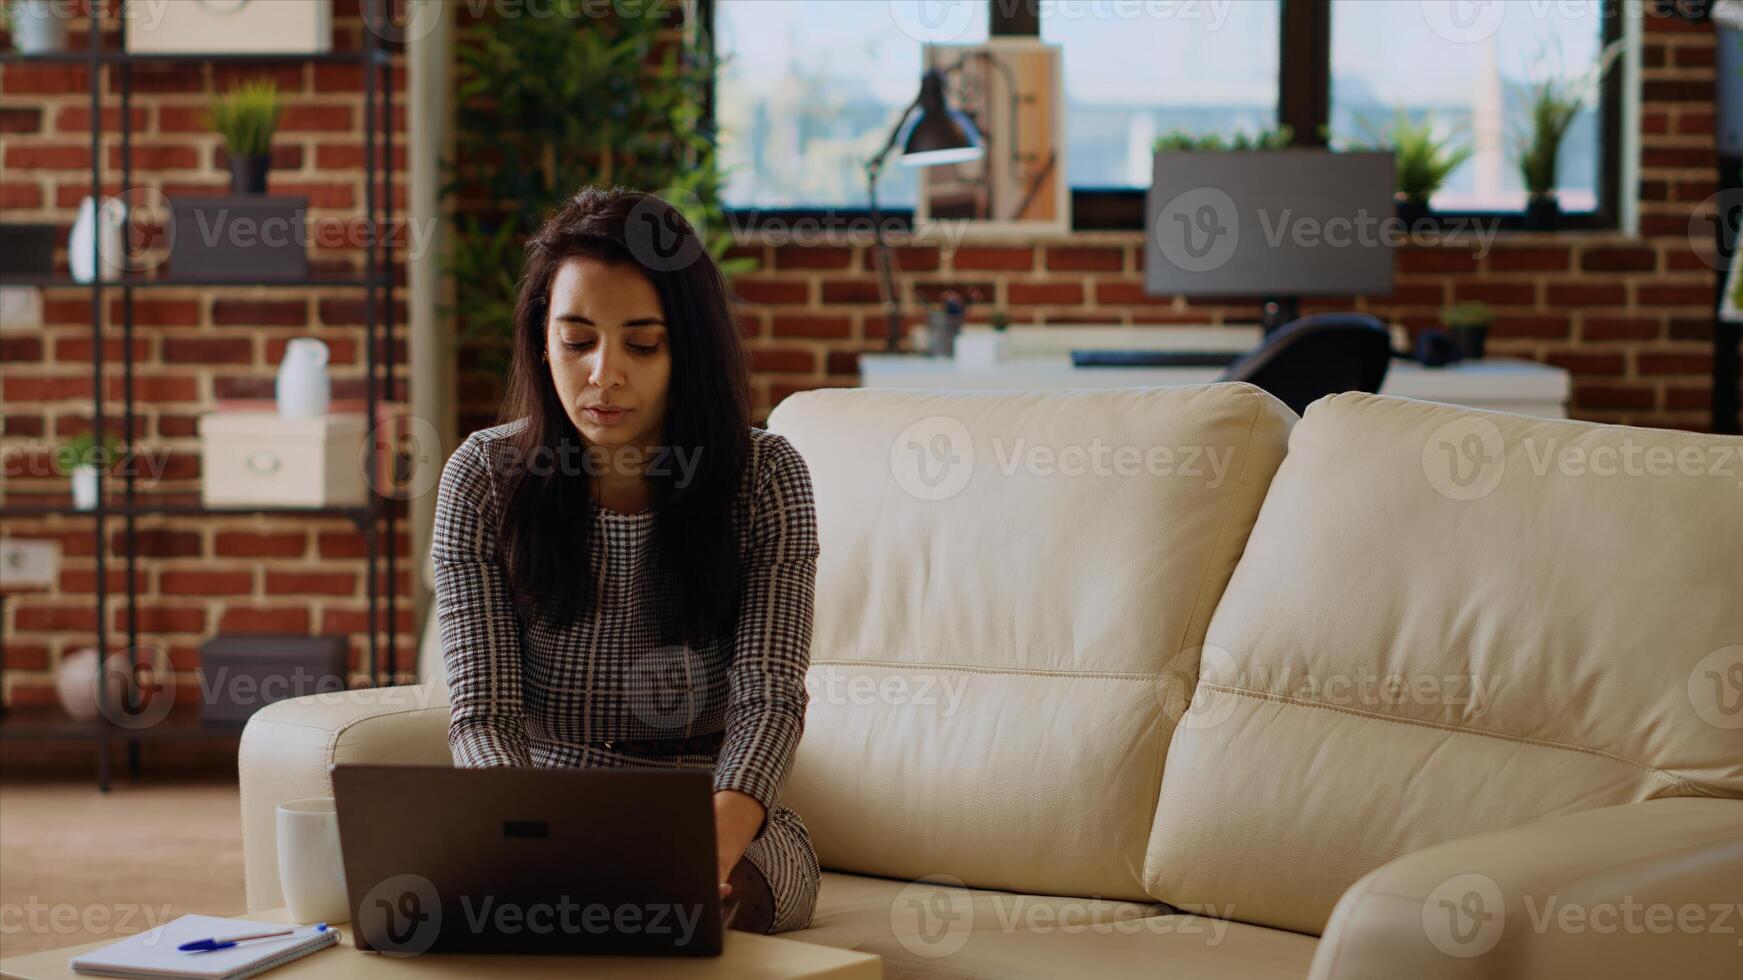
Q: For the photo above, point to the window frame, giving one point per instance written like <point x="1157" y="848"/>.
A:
<point x="1303" y="103"/>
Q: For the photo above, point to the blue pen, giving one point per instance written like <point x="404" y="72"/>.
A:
<point x="225" y="942"/>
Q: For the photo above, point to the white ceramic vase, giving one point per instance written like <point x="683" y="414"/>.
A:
<point x="75" y="683"/>
<point x="304" y="390"/>
<point x="85" y="487"/>
<point x="38" y="27"/>
<point x="104" y="226"/>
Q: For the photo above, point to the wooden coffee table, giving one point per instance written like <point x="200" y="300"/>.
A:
<point x="745" y="955"/>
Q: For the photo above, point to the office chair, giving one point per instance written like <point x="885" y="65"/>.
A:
<point x="1317" y="355"/>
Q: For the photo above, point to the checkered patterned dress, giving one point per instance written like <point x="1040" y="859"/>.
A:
<point x="528" y="695"/>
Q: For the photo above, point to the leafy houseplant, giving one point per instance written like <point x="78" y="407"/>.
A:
<point x="81" y="458"/>
<point x="1266" y="139"/>
<point x="1469" y="324"/>
<point x="1552" y="105"/>
<point x="36" y="26"/>
<point x="1424" y="162"/>
<point x="544" y="111"/>
<point x="246" y="117"/>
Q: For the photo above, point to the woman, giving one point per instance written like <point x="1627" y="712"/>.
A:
<point x="625" y="569"/>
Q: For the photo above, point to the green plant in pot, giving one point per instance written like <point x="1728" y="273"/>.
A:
<point x="1552" y="104"/>
<point x="1424" y="161"/>
<point x="247" y="116"/>
<point x="1468" y="323"/>
<point x="80" y="458"/>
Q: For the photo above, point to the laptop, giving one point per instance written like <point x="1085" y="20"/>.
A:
<point x="529" y="860"/>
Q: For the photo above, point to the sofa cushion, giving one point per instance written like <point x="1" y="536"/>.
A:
<point x="1449" y="622"/>
<point x="1011" y="590"/>
<point x="936" y="928"/>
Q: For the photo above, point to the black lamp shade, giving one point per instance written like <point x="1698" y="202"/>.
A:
<point x="937" y="134"/>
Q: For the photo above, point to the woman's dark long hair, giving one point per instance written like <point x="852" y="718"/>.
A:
<point x="548" y="511"/>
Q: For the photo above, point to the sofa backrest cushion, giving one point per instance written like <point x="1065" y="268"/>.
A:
<point x="1449" y="622"/>
<point x="1011" y="590"/>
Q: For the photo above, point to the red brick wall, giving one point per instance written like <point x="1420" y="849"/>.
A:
<point x="1629" y="317"/>
<point x="192" y="347"/>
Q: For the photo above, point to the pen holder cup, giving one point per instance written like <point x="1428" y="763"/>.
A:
<point x="309" y="867"/>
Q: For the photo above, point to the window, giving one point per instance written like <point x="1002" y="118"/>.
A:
<point x="809" y="92"/>
<point x="811" y="89"/>
<point x="1134" y="72"/>
<point x="1469" y="68"/>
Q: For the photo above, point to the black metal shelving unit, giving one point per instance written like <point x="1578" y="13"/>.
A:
<point x="375" y="520"/>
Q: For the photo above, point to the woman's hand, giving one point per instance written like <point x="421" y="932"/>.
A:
<point x="738" y="818"/>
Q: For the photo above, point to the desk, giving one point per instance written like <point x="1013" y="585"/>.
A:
<point x="745" y="955"/>
<point x="1502" y="385"/>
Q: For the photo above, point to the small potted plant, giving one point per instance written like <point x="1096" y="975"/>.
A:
<point x="36" y="26"/>
<point x="80" y="458"/>
<point x="1552" y="104"/>
<point x="247" y="116"/>
<point x="1424" y="162"/>
<point x="1266" y="139"/>
<point x="1468" y="323"/>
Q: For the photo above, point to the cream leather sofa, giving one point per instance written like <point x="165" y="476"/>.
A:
<point x="1167" y="683"/>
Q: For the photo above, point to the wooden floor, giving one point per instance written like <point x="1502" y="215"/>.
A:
<point x="77" y="865"/>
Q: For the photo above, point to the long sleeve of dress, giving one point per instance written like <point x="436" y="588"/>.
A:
<point x="481" y="630"/>
<point x="765" y="714"/>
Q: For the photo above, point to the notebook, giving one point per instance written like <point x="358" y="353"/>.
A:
<point x="154" y="954"/>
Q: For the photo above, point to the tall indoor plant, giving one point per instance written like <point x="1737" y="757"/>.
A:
<point x="247" y="116"/>
<point x="1552" y="104"/>
<point x="546" y="109"/>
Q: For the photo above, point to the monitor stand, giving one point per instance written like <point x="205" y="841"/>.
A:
<point x="1277" y="311"/>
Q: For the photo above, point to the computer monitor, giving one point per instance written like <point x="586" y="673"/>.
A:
<point x="1270" y="224"/>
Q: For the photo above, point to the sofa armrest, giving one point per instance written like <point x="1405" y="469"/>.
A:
<point x="290" y="746"/>
<point x="1642" y="889"/>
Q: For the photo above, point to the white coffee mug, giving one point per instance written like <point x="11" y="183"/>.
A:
<point x="309" y="868"/>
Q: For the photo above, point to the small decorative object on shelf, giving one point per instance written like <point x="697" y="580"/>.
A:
<point x="263" y="459"/>
<point x="247" y="238"/>
<point x="230" y="26"/>
<point x="75" y="685"/>
<point x="1468" y="325"/>
<point x="303" y="389"/>
<point x="27" y="249"/>
<point x="243" y="673"/>
<point x="37" y="26"/>
<point x="247" y="117"/>
<point x="1551" y="106"/>
<point x="80" y="458"/>
<point x="103" y="228"/>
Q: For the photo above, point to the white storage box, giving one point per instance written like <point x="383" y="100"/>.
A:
<point x="226" y="26"/>
<point x="262" y="458"/>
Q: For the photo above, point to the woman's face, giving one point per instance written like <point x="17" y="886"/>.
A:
<point x="610" y="358"/>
